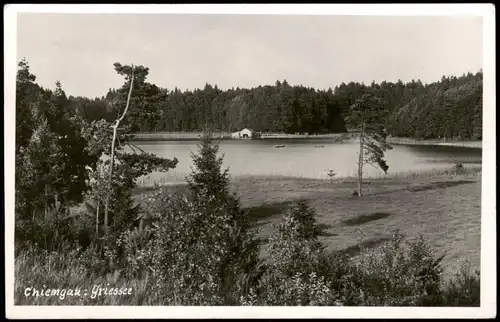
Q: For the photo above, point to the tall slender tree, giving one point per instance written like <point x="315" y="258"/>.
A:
<point x="115" y="129"/>
<point x="367" y="116"/>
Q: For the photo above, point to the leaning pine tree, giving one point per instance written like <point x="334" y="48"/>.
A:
<point x="367" y="116"/>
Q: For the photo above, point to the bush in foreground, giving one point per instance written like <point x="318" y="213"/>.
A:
<point x="203" y="251"/>
<point x="332" y="282"/>
<point x="291" y="277"/>
<point x="463" y="289"/>
<point x="399" y="273"/>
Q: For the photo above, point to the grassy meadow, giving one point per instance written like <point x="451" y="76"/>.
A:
<point x="439" y="204"/>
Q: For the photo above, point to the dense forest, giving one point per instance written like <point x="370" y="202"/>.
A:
<point x="450" y="108"/>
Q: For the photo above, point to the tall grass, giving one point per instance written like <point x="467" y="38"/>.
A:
<point x="457" y="143"/>
<point x="176" y="178"/>
<point x="430" y="173"/>
<point x="76" y="271"/>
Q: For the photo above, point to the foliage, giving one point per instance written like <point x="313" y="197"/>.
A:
<point x="62" y="158"/>
<point x="367" y="116"/>
<point x="127" y="167"/>
<point x="51" y="163"/>
<point x="198" y="255"/>
<point x="178" y="259"/>
<point x="399" y="273"/>
<point x="449" y="108"/>
<point x="207" y="176"/>
<point x="459" y="168"/>
<point x="464" y="289"/>
<point x="294" y="254"/>
<point x="331" y="173"/>
<point x="290" y="251"/>
<point x="26" y="94"/>
<point x="298" y="290"/>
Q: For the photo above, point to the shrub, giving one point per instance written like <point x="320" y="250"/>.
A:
<point x="305" y="215"/>
<point x="192" y="252"/>
<point x="464" y="289"/>
<point x="297" y="290"/>
<point x="295" y="246"/>
<point x="295" y="255"/>
<point x="331" y="174"/>
<point x="289" y="251"/>
<point x="46" y="230"/>
<point x="398" y="273"/>
<point x="341" y="275"/>
<point x="134" y="252"/>
<point x="459" y="169"/>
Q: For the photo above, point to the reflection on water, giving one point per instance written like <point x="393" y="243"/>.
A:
<point x="311" y="158"/>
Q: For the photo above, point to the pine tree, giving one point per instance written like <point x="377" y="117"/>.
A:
<point x="208" y="178"/>
<point x="209" y="185"/>
<point x="368" y="116"/>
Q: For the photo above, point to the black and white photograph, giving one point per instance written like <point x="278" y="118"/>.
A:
<point x="234" y="160"/>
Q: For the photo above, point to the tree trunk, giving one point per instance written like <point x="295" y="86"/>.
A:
<point x="97" y="219"/>
<point x="112" y="161"/>
<point x="360" y="159"/>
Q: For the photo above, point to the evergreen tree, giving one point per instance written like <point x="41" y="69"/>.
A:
<point x="210" y="188"/>
<point x="367" y="117"/>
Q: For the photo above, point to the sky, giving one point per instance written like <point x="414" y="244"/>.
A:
<point x="187" y="51"/>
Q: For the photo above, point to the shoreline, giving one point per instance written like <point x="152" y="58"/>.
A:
<point x="435" y="142"/>
<point x="148" y="184"/>
<point x="338" y="137"/>
<point x="194" y="136"/>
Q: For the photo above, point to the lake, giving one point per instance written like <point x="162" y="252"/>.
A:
<point x="308" y="158"/>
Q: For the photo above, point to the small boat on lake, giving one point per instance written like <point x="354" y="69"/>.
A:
<point x="279" y="146"/>
<point x="319" y="146"/>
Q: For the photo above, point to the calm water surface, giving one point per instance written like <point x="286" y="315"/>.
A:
<point x="306" y="158"/>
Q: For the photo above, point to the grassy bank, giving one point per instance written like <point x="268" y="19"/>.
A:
<point x="442" y="205"/>
<point x="175" y="178"/>
<point x="407" y="141"/>
<point x="176" y="136"/>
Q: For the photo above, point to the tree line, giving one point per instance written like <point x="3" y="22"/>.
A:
<point x="448" y="108"/>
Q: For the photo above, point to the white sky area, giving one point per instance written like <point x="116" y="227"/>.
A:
<point x="187" y="51"/>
